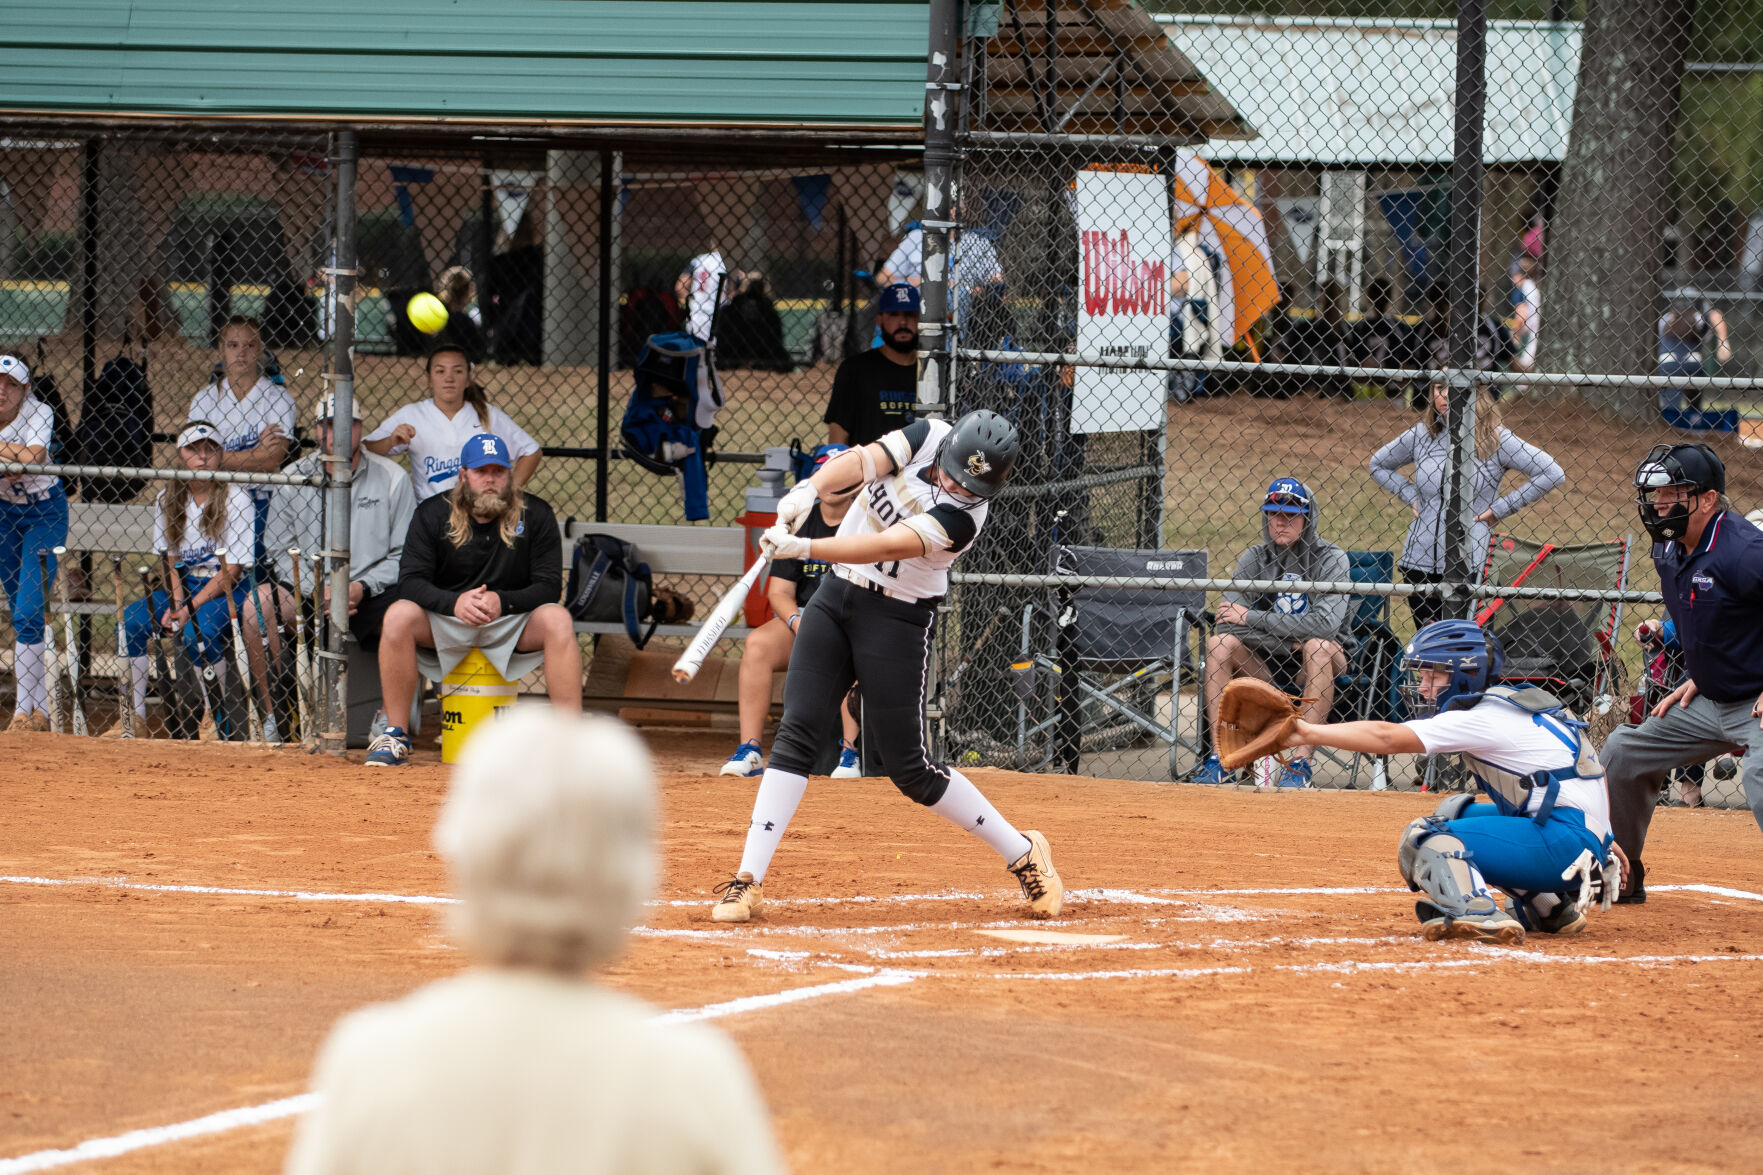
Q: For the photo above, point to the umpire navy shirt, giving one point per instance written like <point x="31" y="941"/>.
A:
<point x="1715" y="596"/>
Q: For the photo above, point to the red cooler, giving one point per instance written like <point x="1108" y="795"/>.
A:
<point x="761" y="516"/>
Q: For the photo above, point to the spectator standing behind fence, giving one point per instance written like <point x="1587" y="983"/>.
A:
<point x="875" y="391"/>
<point x="792" y="584"/>
<point x="255" y="415"/>
<point x="1271" y="635"/>
<point x="433" y="431"/>
<point x="696" y="290"/>
<point x="194" y="522"/>
<point x="381" y="503"/>
<point x="1527" y="308"/>
<point x="1427" y="447"/>
<point x="1685" y="331"/>
<point x="1710" y="564"/>
<point x="482" y="569"/>
<point x="33" y="517"/>
<point x="523" y="1064"/>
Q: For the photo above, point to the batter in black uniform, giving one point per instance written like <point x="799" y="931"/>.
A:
<point x="790" y="586"/>
<point x="923" y="499"/>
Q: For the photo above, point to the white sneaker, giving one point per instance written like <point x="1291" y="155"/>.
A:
<point x="849" y="767"/>
<point x="270" y="734"/>
<point x="745" y="762"/>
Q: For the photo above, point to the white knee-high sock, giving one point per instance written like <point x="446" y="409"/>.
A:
<point x="139" y="688"/>
<point x="963" y="805"/>
<point x="27" y="667"/>
<point x="212" y="700"/>
<point x="779" y="793"/>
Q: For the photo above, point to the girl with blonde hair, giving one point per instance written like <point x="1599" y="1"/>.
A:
<point x="1427" y="447"/>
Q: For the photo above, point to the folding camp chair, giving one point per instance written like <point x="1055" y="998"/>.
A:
<point x="1567" y="647"/>
<point x="1120" y="657"/>
<point x="1367" y="689"/>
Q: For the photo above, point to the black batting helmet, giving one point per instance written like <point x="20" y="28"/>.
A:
<point x="980" y="452"/>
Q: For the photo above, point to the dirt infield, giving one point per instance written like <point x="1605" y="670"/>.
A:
<point x="1265" y="1006"/>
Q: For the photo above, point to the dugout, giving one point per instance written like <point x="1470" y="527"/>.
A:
<point x="167" y="165"/>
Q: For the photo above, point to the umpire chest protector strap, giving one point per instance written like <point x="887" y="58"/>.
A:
<point x="1511" y="791"/>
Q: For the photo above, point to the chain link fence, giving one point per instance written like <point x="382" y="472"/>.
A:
<point x="1188" y="253"/>
<point x="127" y="260"/>
<point x="1453" y="287"/>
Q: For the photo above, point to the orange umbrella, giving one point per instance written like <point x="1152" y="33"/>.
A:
<point x="1232" y="228"/>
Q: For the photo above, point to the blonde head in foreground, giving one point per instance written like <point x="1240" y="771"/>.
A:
<point x="549" y="837"/>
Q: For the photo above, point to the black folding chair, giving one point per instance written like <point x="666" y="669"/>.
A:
<point x="1119" y="660"/>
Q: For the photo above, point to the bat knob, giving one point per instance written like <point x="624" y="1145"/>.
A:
<point x="683" y="675"/>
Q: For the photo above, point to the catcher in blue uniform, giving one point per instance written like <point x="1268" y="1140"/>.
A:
<point x="1544" y="837"/>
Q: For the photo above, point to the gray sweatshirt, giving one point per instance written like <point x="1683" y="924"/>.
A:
<point x="1279" y="619"/>
<point x="1423" y="550"/>
<point x="378" y="518"/>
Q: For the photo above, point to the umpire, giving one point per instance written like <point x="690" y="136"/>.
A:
<point x="1710" y="563"/>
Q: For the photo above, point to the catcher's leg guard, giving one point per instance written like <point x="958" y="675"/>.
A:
<point x="1435" y="863"/>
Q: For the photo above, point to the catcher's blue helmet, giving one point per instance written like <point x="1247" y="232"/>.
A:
<point x="806" y="463"/>
<point x="1470" y="652"/>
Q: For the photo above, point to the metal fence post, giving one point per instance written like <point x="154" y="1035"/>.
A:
<point x="1465" y="286"/>
<point x="603" y="355"/>
<point x="337" y="498"/>
<point x="941" y="88"/>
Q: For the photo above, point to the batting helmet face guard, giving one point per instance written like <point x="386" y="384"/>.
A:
<point x="979" y="453"/>
<point x="1685" y="470"/>
<point x="1468" y="652"/>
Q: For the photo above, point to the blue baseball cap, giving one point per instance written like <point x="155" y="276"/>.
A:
<point x="899" y="298"/>
<point x="1287" y="495"/>
<point x="486" y="448"/>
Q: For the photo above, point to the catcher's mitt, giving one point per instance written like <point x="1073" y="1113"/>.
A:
<point x="1253" y="720"/>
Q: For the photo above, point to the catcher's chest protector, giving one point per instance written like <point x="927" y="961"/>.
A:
<point x="1511" y="791"/>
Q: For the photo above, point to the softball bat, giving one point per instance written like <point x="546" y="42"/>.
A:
<point x="717" y="623"/>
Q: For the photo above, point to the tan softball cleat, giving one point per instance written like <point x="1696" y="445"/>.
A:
<point x="28" y="722"/>
<point x="1039" y="880"/>
<point x="741" y="899"/>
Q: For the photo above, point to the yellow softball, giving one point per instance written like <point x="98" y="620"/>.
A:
<point x="426" y="313"/>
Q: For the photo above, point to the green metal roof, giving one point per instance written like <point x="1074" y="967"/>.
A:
<point x="770" y="63"/>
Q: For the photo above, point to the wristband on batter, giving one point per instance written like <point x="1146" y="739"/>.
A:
<point x="793" y="621"/>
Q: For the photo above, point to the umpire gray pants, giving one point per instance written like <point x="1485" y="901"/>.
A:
<point x="1637" y="758"/>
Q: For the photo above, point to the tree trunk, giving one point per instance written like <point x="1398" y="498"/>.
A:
<point x="1602" y="297"/>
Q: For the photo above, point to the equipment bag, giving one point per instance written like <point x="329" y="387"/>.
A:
<point x="115" y="428"/>
<point x="608" y="581"/>
<point x="669" y="426"/>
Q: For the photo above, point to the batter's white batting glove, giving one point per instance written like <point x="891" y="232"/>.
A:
<point x="778" y="543"/>
<point x="793" y="507"/>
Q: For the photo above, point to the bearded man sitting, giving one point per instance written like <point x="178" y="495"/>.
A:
<point x="482" y="569"/>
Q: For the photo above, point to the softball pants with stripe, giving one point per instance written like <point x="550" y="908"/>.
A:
<point x="848" y="634"/>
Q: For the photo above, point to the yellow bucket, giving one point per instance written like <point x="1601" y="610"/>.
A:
<point x="470" y="695"/>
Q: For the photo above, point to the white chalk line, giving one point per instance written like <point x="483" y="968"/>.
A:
<point x="234" y="891"/>
<point x="225" y="1120"/>
<point x="1492" y="958"/>
<point x="1719" y="890"/>
<point x="1151" y="897"/>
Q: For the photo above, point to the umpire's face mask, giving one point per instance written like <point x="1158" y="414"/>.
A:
<point x="1665" y="511"/>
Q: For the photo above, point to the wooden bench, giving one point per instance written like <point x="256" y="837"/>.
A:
<point x="669" y="550"/>
<point x="634" y="685"/>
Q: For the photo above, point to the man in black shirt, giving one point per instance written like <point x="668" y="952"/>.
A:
<point x="874" y="392"/>
<point x="482" y="568"/>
